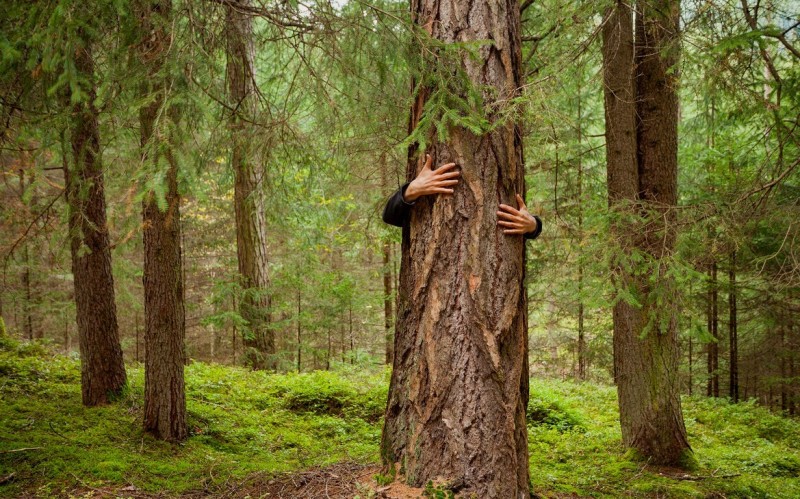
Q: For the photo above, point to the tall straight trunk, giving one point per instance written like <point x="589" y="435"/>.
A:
<point x="581" y="332"/>
<point x="102" y="368"/>
<point x="641" y="145"/>
<point x="388" y="303"/>
<point x="299" y="340"/>
<point x="712" y="387"/>
<point x="251" y="225"/>
<point x="691" y="380"/>
<point x="388" y="299"/>
<point x="459" y="387"/>
<point x="27" y="304"/>
<point x="784" y="354"/>
<point x="733" y="331"/>
<point x="165" y="327"/>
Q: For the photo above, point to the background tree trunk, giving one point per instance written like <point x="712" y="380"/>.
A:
<point x="459" y="387"/>
<point x="165" y="328"/>
<point x="251" y="225"/>
<point x="712" y="387"/>
<point x="641" y="138"/>
<point x="388" y="299"/>
<point x="102" y="366"/>
<point x="733" y="332"/>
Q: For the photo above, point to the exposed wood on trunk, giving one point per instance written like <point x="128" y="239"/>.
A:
<point x="459" y="386"/>
<point x="251" y="225"/>
<point x="165" y="328"/>
<point x="640" y="76"/>
<point x="102" y="367"/>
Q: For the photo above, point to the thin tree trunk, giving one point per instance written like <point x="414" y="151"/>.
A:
<point x="352" y="339"/>
<point x="459" y="386"/>
<point x="165" y="327"/>
<point x="581" y="333"/>
<point x="388" y="303"/>
<point x="641" y="147"/>
<point x="388" y="299"/>
<point x="234" y="332"/>
<point x="784" y="353"/>
<point x="136" y="328"/>
<point x="691" y="381"/>
<point x="299" y="341"/>
<point x="712" y="388"/>
<point x="102" y="368"/>
<point x="733" y="334"/>
<point x="27" y="308"/>
<point x="251" y="225"/>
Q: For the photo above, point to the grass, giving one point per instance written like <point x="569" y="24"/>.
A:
<point x="244" y="423"/>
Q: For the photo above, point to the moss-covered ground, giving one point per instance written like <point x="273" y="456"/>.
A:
<point x="246" y="423"/>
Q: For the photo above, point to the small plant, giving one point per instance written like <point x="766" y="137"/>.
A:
<point x="437" y="491"/>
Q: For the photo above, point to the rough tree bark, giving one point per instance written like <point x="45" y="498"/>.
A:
<point x="459" y="387"/>
<point x="165" y="329"/>
<point x="251" y="225"/>
<point x="102" y="366"/>
<point x="641" y="135"/>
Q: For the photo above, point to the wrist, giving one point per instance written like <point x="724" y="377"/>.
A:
<point x="411" y="193"/>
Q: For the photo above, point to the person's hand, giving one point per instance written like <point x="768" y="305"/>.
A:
<point x="516" y="221"/>
<point x="439" y="181"/>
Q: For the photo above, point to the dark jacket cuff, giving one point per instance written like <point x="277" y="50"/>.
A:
<point x="397" y="211"/>
<point x="535" y="234"/>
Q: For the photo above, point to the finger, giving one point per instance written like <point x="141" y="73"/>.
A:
<point x="514" y="231"/>
<point x="511" y="225"/>
<point x="442" y="190"/>
<point x="445" y="167"/>
<point x="428" y="162"/>
<point x="509" y="209"/>
<point x="444" y="183"/>
<point x="446" y="175"/>
<point x="521" y="203"/>
<point x="510" y="217"/>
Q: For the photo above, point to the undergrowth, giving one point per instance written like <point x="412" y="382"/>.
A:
<point x="246" y="423"/>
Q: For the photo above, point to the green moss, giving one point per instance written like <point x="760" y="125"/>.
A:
<point x="244" y="422"/>
<point x="688" y="461"/>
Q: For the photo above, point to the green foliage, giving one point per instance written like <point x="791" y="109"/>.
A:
<point x="432" y="491"/>
<point x="546" y="408"/>
<point x="244" y="422"/>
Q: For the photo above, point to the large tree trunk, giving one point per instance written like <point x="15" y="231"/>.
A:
<point x="102" y="367"/>
<point x="251" y="225"/>
<point x="641" y="138"/>
<point x="459" y="387"/>
<point x="165" y="329"/>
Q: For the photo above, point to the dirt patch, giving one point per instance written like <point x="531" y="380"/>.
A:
<point x="338" y="481"/>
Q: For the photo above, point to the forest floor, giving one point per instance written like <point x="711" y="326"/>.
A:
<point x="316" y="435"/>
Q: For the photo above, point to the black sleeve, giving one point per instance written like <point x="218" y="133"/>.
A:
<point x="535" y="234"/>
<point x="397" y="212"/>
